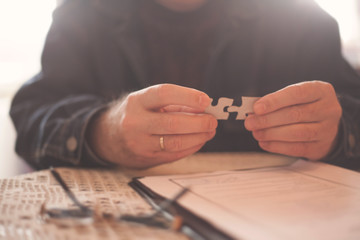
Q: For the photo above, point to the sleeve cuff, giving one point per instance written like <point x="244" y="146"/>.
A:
<point x="347" y="151"/>
<point x="89" y="157"/>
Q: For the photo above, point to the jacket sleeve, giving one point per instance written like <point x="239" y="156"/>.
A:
<point x="322" y="57"/>
<point x="347" y="153"/>
<point x="52" y="110"/>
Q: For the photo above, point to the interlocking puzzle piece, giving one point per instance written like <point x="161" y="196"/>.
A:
<point x="225" y="106"/>
<point x="245" y="108"/>
<point x="218" y="111"/>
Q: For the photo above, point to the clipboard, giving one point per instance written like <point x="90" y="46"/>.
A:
<point x="193" y="226"/>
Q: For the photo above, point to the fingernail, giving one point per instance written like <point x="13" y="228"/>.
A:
<point x="249" y="124"/>
<point x="211" y="134"/>
<point x="258" y="134"/>
<point x="213" y="124"/>
<point x="204" y="101"/>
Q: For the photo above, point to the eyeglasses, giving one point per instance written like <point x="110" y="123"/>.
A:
<point x="82" y="215"/>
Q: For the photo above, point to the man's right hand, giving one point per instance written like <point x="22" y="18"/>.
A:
<point x="129" y="132"/>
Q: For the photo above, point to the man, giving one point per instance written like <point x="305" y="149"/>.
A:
<point x="126" y="82"/>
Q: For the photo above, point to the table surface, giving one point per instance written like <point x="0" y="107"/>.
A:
<point x="107" y="191"/>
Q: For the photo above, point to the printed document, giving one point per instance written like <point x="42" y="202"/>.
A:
<point x="305" y="200"/>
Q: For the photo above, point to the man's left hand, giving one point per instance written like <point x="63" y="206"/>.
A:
<point x="300" y="120"/>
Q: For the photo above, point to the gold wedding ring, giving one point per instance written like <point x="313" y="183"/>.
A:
<point x="162" y="146"/>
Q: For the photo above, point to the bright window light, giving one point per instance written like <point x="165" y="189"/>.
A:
<point x="23" y="25"/>
<point x="347" y="14"/>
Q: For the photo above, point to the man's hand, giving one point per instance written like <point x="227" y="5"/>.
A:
<point x="300" y="120"/>
<point x="129" y="132"/>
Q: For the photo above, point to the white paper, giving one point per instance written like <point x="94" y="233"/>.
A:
<point x="302" y="201"/>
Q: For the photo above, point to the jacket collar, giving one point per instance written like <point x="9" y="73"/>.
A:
<point x="117" y="10"/>
<point x="239" y="10"/>
<point x="121" y="12"/>
<point x="123" y="9"/>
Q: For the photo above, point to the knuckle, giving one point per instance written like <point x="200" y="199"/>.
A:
<point x="315" y="134"/>
<point x="163" y="91"/>
<point x="262" y="122"/>
<point x="337" y="109"/>
<point x="151" y="122"/>
<point x="269" y="146"/>
<point x="299" y="134"/>
<point x="131" y="99"/>
<point x="306" y="134"/>
<point x="299" y="149"/>
<point x="328" y="87"/>
<point x="254" y="135"/>
<point x="300" y="91"/>
<point x="171" y="123"/>
<point x="295" y="114"/>
<point x="129" y="105"/>
<point x="311" y="112"/>
<point x="312" y="134"/>
<point x="208" y="123"/>
<point x="259" y="135"/>
<point x="127" y="122"/>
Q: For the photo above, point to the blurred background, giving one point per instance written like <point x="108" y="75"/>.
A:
<point x="23" y="27"/>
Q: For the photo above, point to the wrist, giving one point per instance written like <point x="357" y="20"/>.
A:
<point x="337" y="145"/>
<point x="96" y="135"/>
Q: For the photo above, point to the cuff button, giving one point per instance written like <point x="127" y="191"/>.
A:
<point x="71" y="144"/>
<point x="352" y="141"/>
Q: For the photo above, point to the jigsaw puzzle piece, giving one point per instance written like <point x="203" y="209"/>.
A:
<point x="219" y="111"/>
<point x="245" y="108"/>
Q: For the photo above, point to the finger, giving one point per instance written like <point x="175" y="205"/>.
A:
<point x="177" y="143"/>
<point x="146" y="145"/>
<point x="300" y="93"/>
<point x="166" y="157"/>
<point x="311" y="151"/>
<point x="307" y="132"/>
<point x="150" y="159"/>
<point x="179" y="123"/>
<point x="179" y="108"/>
<point x="168" y="94"/>
<point x="304" y="113"/>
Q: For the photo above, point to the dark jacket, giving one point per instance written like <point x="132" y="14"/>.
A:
<point x="94" y="54"/>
